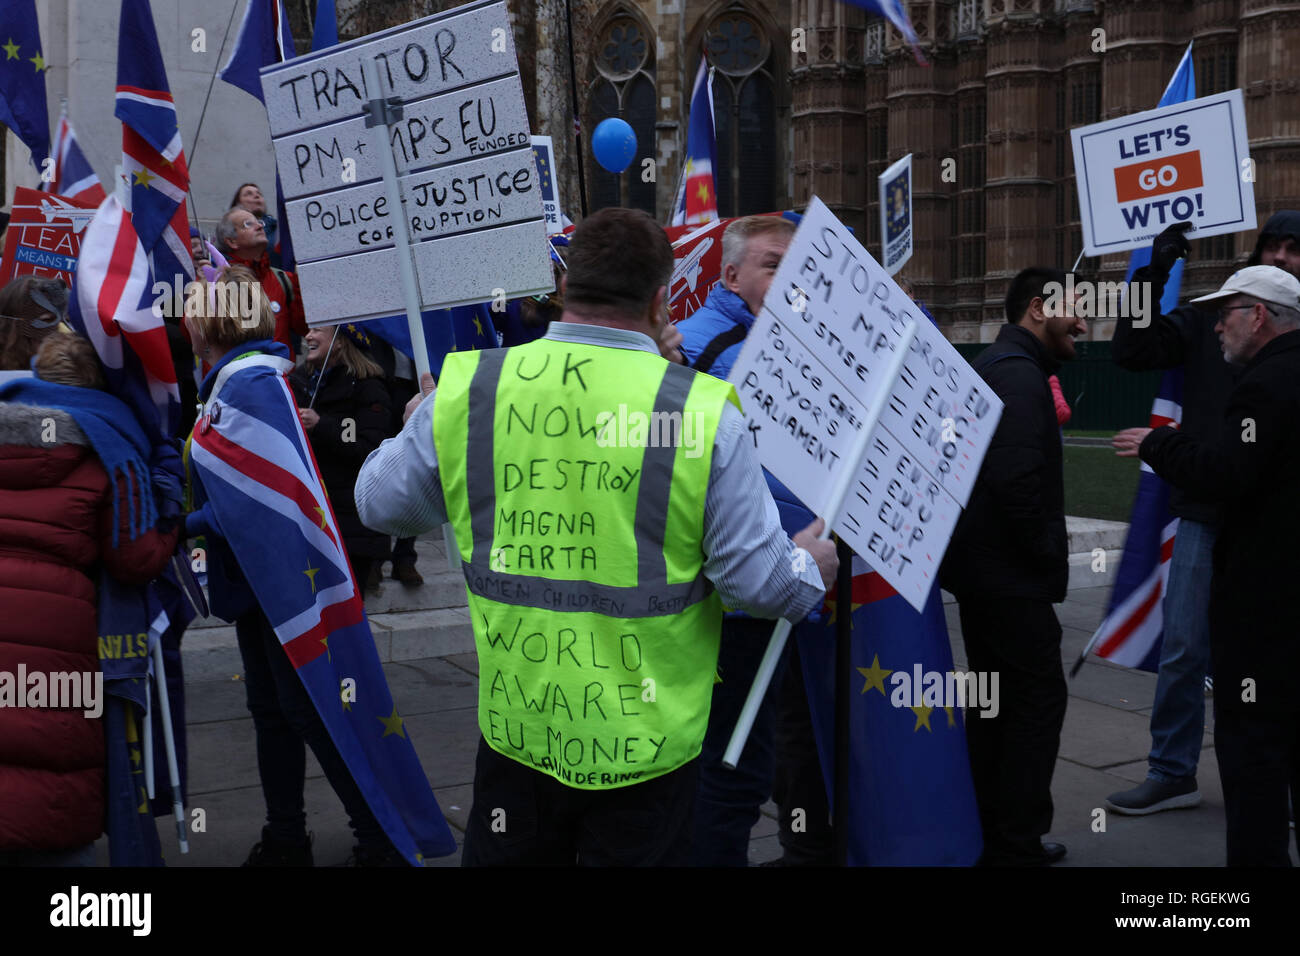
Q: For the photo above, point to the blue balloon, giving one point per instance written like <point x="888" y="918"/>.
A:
<point x="613" y="144"/>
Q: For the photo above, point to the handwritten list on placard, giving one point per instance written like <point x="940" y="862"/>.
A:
<point x="811" y="367"/>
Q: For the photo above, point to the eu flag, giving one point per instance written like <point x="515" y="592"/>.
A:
<point x="460" y="329"/>
<point x="22" y="77"/>
<point x="252" y="460"/>
<point x="912" y="801"/>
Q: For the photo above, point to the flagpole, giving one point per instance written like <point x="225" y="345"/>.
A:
<point x="843" y="674"/>
<point x="312" y="403"/>
<point x="834" y="505"/>
<point x="194" y="147"/>
<point x="382" y="112"/>
<point x="169" y="741"/>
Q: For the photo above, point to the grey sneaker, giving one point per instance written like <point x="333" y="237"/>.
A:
<point x="1152" y="796"/>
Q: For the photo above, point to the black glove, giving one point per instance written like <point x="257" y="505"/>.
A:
<point x="1170" y="246"/>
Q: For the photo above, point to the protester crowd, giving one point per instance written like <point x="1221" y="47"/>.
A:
<point x="693" y="568"/>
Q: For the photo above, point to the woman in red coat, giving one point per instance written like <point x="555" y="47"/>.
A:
<point x="61" y="517"/>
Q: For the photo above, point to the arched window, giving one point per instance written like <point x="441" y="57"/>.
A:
<point x="744" y="111"/>
<point x="624" y="87"/>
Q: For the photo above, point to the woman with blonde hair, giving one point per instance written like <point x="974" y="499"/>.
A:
<point x="346" y="410"/>
<point x="253" y="484"/>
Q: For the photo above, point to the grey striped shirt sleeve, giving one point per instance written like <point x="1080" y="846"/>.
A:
<point x="749" y="557"/>
<point x="398" y="490"/>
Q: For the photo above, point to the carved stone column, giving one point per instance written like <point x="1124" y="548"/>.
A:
<point x="827" y="111"/>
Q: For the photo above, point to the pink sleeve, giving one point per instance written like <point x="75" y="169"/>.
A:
<point x="1062" y="407"/>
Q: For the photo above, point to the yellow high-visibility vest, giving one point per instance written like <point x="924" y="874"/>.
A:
<point x="575" y="477"/>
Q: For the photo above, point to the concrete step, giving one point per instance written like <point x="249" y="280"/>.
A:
<point x="1085" y="534"/>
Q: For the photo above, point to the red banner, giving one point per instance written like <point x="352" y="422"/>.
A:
<point x="44" y="236"/>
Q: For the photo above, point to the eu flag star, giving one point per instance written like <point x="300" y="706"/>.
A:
<point x="922" y="718"/>
<point x="478" y="325"/>
<point x="311" y="576"/>
<point x="875" y="675"/>
<point x="11" y="49"/>
<point x="703" y="192"/>
<point x="326" y="642"/>
<point x="321" y="511"/>
<point x="142" y="177"/>
<point x="393" y="724"/>
<point x="38" y="61"/>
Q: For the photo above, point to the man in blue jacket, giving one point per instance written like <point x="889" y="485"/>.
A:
<point x="728" y="803"/>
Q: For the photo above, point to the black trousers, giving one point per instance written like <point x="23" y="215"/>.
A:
<point x="522" y="817"/>
<point x="1259" y="761"/>
<point x="285" y="719"/>
<point x="1013" y="754"/>
<point x="799" y="789"/>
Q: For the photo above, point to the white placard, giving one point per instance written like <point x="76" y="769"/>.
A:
<point x="895" y="188"/>
<point x="435" y="131"/>
<point x="811" y="366"/>
<point x="469" y="186"/>
<point x="447" y="51"/>
<point x="460" y="270"/>
<point x="496" y="191"/>
<point x="1143" y="172"/>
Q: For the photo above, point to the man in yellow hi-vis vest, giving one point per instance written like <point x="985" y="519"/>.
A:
<point x="606" y="505"/>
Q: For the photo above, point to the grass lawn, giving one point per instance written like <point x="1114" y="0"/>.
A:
<point x="1085" y="433"/>
<point x="1098" y="484"/>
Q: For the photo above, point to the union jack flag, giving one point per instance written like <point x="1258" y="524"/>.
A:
<point x="73" y="175"/>
<point x="1132" y="630"/>
<point x="112" y="306"/>
<point x="253" y="463"/>
<point x="152" y="157"/>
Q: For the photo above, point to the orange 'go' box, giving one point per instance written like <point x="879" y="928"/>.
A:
<point x="1154" y="177"/>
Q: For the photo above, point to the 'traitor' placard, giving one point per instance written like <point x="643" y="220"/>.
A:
<point x="470" y="193"/>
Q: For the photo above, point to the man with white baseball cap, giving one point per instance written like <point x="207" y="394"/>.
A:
<point x="1249" y="472"/>
<point x="1256" y="304"/>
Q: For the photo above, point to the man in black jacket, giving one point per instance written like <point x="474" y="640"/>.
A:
<point x="1254" y="642"/>
<point x="1008" y="564"/>
<point x="1185" y="338"/>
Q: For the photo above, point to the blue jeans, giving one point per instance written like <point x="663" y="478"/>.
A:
<point x="1178" y="713"/>
<point x="728" y="801"/>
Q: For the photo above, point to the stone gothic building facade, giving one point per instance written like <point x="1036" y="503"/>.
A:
<point x="815" y="97"/>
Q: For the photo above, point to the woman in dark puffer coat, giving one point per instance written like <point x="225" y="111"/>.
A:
<point x="61" y="517"/>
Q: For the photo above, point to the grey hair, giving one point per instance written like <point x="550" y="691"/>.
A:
<point x="1285" y="317"/>
<point x="226" y="230"/>
<point x="735" y="239"/>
